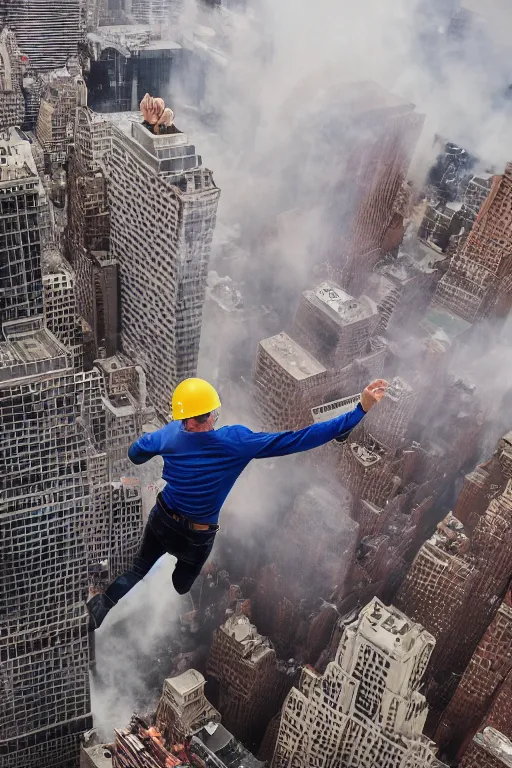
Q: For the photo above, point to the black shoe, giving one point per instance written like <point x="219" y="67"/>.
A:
<point x="98" y="607"/>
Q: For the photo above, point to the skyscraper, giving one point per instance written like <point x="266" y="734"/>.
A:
<point x="49" y="414"/>
<point x="480" y="684"/>
<point x="250" y="686"/>
<point x="163" y="206"/>
<point x="479" y="278"/>
<point x="21" y="294"/>
<point x="60" y="514"/>
<point x="11" y="97"/>
<point x="48" y="33"/>
<point x="328" y="356"/>
<point x="366" y="709"/>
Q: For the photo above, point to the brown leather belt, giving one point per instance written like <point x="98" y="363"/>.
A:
<point x="182" y="519"/>
<point x="192" y="526"/>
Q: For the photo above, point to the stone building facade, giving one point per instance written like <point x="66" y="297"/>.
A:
<point x="366" y="708"/>
<point x="60" y="305"/>
<point x="12" y="108"/>
<point x="61" y="518"/>
<point x="127" y="411"/>
<point x="183" y="707"/>
<point x="65" y="90"/>
<point x="21" y="295"/>
<point x="141" y="215"/>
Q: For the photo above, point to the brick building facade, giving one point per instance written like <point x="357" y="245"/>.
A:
<point x="379" y="157"/>
<point x="330" y="353"/>
<point x="480" y="684"/>
<point x="250" y="685"/>
<point x="484" y="260"/>
<point x="476" y="573"/>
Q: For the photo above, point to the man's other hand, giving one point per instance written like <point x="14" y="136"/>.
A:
<point x="373" y="393"/>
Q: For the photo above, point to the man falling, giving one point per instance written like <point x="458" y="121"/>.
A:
<point x="201" y="465"/>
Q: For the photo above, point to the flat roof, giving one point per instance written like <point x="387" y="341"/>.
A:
<point x="123" y="120"/>
<point x="347" y="308"/>
<point x="165" y="44"/>
<point x="452" y="325"/>
<point x="31" y="347"/>
<point x="292" y="357"/>
<point x="31" y="353"/>
<point x="185" y="682"/>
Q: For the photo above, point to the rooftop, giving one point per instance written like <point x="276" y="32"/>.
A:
<point x="223" y="291"/>
<point x="292" y="357"/>
<point x="130" y="38"/>
<point x="16" y="160"/>
<point x="404" y="267"/>
<point x="450" y="536"/>
<point x="99" y="756"/>
<point x="496" y="743"/>
<point x="186" y="682"/>
<point x="254" y="645"/>
<point x="167" y="154"/>
<point x="30" y="353"/>
<point x="364" y="455"/>
<point x="443" y="325"/>
<point x="390" y="629"/>
<point x="398" y="389"/>
<point x="346" y="307"/>
<point x="221" y="743"/>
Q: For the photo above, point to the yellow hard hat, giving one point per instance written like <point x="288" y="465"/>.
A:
<point x="193" y="397"/>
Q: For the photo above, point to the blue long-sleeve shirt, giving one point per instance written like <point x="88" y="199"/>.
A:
<point x="201" y="467"/>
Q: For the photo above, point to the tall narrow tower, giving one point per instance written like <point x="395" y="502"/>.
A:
<point x="163" y="206"/>
<point x="48" y="416"/>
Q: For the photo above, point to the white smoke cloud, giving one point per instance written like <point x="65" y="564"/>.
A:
<point x="132" y="646"/>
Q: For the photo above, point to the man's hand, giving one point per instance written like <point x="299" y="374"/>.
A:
<point x="373" y="393"/>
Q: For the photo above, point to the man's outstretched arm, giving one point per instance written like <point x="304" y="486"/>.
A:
<point x="145" y="448"/>
<point x="263" y="445"/>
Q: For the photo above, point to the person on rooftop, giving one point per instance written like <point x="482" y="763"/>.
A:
<point x="201" y="465"/>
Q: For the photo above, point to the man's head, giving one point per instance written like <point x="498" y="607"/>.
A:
<point x="195" y="402"/>
<point x="202" y="423"/>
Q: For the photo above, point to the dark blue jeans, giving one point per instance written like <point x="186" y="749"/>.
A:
<point x="164" y="534"/>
